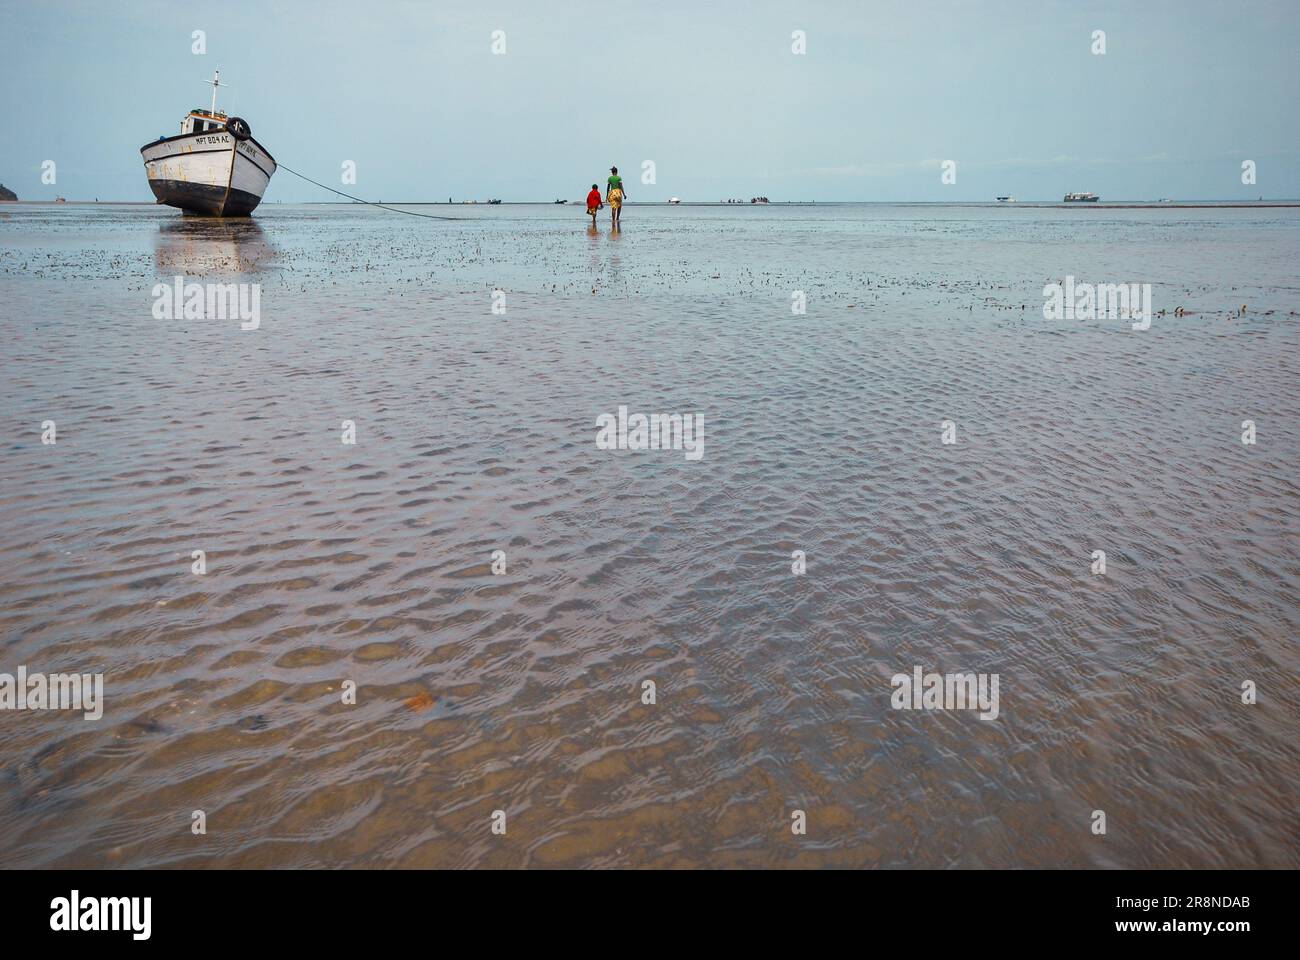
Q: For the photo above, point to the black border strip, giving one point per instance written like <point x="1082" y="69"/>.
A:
<point x="913" y="912"/>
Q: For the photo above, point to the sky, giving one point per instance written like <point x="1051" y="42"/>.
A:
<point x="712" y="94"/>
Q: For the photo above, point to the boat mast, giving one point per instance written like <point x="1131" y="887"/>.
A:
<point x="216" y="82"/>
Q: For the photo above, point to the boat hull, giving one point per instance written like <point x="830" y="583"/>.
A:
<point x="208" y="173"/>
<point x="203" y="199"/>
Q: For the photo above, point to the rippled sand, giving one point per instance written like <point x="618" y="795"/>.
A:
<point x="522" y="692"/>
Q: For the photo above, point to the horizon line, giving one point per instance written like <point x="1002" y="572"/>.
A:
<point x="1100" y="204"/>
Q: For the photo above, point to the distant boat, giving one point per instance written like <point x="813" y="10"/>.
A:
<point x="1081" y="198"/>
<point x="494" y="201"/>
<point x="674" y="200"/>
<point x="213" y="166"/>
<point x="1005" y="199"/>
<point x="1164" y="200"/>
<point x="561" y="201"/>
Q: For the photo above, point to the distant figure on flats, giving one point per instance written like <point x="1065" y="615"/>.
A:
<point x="614" y="196"/>
<point x="593" y="203"/>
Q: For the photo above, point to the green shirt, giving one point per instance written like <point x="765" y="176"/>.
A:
<point x="615" y="182"/>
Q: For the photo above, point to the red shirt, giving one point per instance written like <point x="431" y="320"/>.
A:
<point x="593" y="199"/>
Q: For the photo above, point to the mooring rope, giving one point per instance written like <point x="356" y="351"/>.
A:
<point x="381" y="206"/>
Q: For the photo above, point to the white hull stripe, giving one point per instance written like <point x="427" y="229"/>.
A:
<point x="190" y="153"/>
<point x="211" y="169"/>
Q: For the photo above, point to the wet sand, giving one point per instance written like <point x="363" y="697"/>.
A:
<point x="522" y="692"/>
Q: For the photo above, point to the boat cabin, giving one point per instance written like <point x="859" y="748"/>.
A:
<point x="203" y="121"/>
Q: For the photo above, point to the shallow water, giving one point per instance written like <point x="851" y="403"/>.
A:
<point x="521" y="692"/>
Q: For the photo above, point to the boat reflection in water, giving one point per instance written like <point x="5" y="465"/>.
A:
<point x="199" y="246"/>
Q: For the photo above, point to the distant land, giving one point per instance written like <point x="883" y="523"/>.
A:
<point x="7" y="195"/>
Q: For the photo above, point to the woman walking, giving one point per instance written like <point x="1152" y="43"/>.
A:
<point x="614" y="196"/>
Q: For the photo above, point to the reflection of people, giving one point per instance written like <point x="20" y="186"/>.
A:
<point x="614" y="196"/>
<point x="593" y="203"/>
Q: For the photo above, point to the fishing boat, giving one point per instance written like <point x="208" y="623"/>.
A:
<point x="212" y="167"/>
<point x="1007" y="199"/>
<point x="1081" y="198"/>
